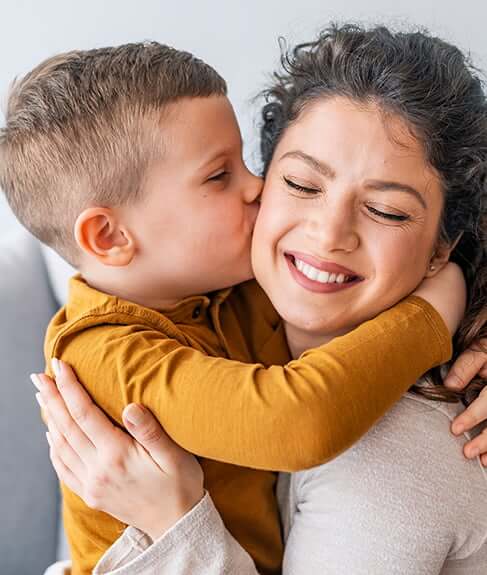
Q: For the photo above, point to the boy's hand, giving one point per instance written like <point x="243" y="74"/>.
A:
<point x="148" y="482"/>
<point x="447" y="293"/>
<point x="472" y="362"/>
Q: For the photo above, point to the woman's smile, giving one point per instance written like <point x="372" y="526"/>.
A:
<point x="320" y="276"/>
<point x="348" y="220"/>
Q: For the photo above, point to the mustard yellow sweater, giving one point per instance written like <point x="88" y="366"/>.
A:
<point x="194" y="366"/>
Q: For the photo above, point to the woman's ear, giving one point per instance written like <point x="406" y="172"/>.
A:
<point x="101" y="235"/>
<point x="441" y="256"/>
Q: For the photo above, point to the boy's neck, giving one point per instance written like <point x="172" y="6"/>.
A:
<point x="120" y="289"/>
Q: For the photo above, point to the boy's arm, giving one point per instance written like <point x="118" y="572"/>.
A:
<point x="277" y="418"/>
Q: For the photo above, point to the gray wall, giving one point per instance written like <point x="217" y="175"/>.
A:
<point x="238" y="37"/>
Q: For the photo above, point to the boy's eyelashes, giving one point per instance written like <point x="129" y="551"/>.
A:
<point x="218" y="176"/>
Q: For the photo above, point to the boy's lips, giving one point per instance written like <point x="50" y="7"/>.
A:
<point x="319" y="275"/>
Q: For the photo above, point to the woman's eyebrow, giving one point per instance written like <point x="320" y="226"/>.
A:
<point x="383" y="186"/>
<point x="324" y="169"/>
<point x="379" y="185"/>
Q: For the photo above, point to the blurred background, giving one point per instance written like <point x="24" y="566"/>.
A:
<point x="238" y="37"/>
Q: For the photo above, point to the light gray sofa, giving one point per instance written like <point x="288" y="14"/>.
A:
<point x="29" y="496"/>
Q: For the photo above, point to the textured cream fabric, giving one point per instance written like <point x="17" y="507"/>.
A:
<point x="402" y="501"/>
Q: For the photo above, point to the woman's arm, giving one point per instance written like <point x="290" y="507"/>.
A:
<point x="198" y="544"/>
<point x="151" y="484"/>
<point x="145" y="483"/>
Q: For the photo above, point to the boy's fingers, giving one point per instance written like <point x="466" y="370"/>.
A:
<point x="476" y="447"/>
<point x="145" y="428"/>
<point x="475" y="413"/>
<point x="465" y="368"/>
<point x="85" y="413"/>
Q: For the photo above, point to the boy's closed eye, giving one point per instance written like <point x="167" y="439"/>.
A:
<point x="218" y="176"/>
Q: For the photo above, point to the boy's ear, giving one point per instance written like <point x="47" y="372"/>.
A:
<point x="101" y="235"/>
<point x="441" y="256"/>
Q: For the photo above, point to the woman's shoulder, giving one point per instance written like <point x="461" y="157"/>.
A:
<point x="423" y="427"/>
<point x="440" y="415"/>
<point x="419" y="417"/>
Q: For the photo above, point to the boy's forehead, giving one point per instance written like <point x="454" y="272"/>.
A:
<point x="206" y="127"/>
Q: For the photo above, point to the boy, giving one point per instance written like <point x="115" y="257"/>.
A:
<point x="128" y="162"/>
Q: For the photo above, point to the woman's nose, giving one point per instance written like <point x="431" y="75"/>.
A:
<point x="333" y="229"/>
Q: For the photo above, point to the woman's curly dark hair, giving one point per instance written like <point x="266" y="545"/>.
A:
<point x="439" y="93"/>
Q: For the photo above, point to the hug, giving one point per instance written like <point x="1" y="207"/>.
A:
<point x="251" y="375"/>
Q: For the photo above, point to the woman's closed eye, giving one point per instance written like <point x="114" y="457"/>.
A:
<point x="310" y="192"/>
<point x="388" y="215"/>
<point x="303" y="190"/>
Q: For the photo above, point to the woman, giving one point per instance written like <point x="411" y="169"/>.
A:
<point x="375" y="152"/>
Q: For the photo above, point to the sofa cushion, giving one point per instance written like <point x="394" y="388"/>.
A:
<point x="29" y="497"/>
<point x="59" y="272"/>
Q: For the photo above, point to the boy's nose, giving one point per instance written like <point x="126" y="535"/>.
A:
<point x="253" y="188"/>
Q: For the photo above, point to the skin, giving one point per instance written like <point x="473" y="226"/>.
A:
<point x="331" y="198"/>
<point x="331" y="220"/>
<point x="201" y="193"/>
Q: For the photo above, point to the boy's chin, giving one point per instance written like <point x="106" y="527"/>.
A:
<point x="238" y="278"/>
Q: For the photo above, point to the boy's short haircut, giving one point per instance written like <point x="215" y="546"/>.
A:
<point x="83" y="127"/>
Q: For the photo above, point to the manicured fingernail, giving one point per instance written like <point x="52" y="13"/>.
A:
<point x="55" y="366"/>
<point x="36" y="380"/>
<point x="48" y="437"/>
<point x="40" y="400"/>
<point x="134" y="414"/>
<point x="475" y="452"/>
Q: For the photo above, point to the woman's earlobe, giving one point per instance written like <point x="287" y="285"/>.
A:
<point x="439" y="259"/>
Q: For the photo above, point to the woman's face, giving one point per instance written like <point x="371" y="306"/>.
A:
<point x="349" y="217"/>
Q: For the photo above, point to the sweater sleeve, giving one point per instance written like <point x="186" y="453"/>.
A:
<point x="280" y="418"/>
<point x="197" y="543"/>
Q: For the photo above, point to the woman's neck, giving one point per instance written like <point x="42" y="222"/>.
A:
<point x="300" y="340"/>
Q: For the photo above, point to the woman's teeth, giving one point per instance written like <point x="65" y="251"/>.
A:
<point x="319" y="275"/>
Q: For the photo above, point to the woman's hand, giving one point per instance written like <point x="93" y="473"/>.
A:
<point x="146" y="481"/>
<point x="472" y="362"/>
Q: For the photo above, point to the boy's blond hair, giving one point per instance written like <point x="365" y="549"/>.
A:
<point x="83" y="127"/>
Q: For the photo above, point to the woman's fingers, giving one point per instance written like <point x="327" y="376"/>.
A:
<point x="54" y="404"/>
<point x="86" y="414"/>
<point x="63" y="450"/>
<point x="473" y="361"/>
<point x="145" y="428"/>
<point x="77" y="415"/>
<point x="65" y="475"/>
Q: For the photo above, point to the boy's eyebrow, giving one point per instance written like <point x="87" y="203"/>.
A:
<point x="378" y="185"/>
<point x="219" y="154"/>
<point x="214" y="157"/>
